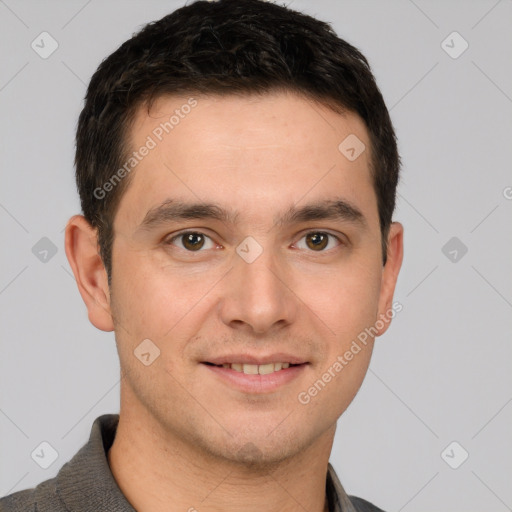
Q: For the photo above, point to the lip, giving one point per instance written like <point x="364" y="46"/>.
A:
<point x="280" y="357"/>
<point x="256" y="384"/>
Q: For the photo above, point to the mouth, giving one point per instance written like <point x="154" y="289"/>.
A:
<point x="254" y="369"/>
<point x="255" y="375"/>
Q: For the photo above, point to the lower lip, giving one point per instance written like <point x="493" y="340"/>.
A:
<point x="257" y="383"/>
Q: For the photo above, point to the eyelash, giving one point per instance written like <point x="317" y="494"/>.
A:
<point x="183" y="233"/>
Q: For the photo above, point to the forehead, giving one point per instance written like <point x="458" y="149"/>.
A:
<point x="247" y="120"/>
<point x="253" y="153"/>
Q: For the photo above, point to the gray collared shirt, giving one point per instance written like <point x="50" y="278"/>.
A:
<point x="86" y="484"/>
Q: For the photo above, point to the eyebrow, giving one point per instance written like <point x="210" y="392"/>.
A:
<point x="173" y="210"/>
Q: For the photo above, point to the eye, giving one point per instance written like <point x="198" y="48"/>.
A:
<point x="318" y="241"/>
<point x="192" y="241"/>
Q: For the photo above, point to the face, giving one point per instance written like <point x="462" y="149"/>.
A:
<point x="248" y="251"/>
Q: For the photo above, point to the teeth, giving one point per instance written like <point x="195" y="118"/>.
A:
<point x="251" y="369"/>
<point x="265" y="369"/>
<point x="255" y="369"/>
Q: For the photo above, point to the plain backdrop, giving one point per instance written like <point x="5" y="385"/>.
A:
<point x="439" y="387"/>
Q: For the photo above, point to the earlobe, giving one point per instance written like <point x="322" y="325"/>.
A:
<point x="395" y="252"/>
<point x="90" y="274"/>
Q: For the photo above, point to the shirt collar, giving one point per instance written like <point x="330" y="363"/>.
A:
<point x="337" y="498"/>
<point x="86" y="482"/>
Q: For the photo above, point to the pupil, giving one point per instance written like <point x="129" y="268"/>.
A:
<point x="193" y="241"/>
<point x="318" y="240"/>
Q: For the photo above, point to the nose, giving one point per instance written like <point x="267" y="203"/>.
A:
<point x="258" y="296"/>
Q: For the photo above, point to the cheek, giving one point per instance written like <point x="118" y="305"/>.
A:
<point x="154" y="299"/>
<point x="345" y="299"/>
<point x="352" y="313"/>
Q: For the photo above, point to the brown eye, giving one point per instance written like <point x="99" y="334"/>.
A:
<point x="192" y="241"/>
<point x="317" y="241"/>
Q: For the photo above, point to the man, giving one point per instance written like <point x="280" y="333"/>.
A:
<point x="237" y="169"/>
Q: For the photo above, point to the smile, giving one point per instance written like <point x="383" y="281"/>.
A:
<point x="256" y="377"/>
<point x="256" y="369"/>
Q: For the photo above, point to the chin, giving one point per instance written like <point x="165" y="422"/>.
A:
<point x="258" y="458"/>
<point x="256" y="451"/>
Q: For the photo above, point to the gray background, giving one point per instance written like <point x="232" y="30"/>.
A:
<point x="442" y="373"/>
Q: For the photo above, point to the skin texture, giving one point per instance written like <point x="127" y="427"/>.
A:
<point x="259" y="156"/>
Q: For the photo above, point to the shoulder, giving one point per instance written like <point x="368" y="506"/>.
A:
<point x="361" y="505"/>
<point x="83" y="483"/>
<point x="22" y="500"/>
<point x="43" y="498"/>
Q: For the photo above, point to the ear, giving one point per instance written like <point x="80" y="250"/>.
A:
<point x="395" y="253"/>
<point x="90" y="274"/>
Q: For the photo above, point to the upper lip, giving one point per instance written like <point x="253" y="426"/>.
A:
<point x="245" y="358"/>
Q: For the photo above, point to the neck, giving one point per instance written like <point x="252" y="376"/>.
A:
<point x="157" y="471"/>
